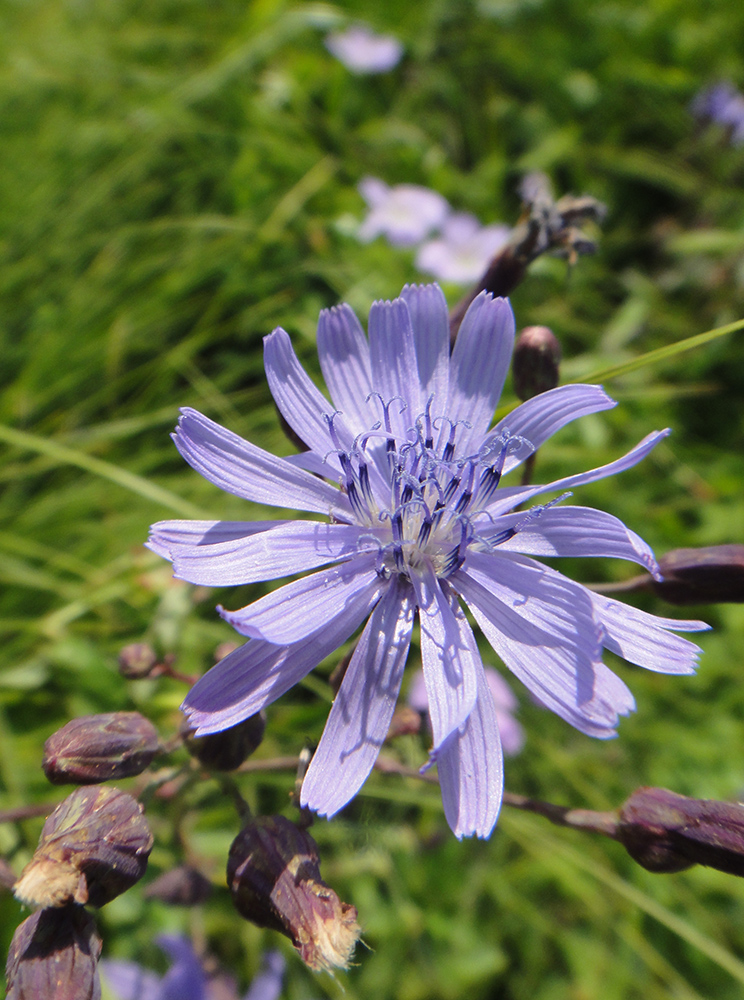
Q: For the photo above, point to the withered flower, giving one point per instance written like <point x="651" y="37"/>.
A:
<point x="273" y="873"/>
<point x="54" y="956"/>
<point x="93" y="847"/>
<point x="227" y="750"/>
<point x="95" y="748"/>
<point x="137" y="661"/>
<point x="535" y="362"/>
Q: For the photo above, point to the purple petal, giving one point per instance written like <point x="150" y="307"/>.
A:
<point x="576" y="531"/>
<point x="129" y="981"/>
<point x="267" y="985"/>
<point x="364" y="51"/>
<point x="539" y="418"/>
<point x="344" y="360"/>
<point x="239" y="467"/>
<point x="471" y="768"/>
<point x="478" y="367"/>
<point x="259" y="672"/>
<point x="450" y="663"/>
<point x="185" y="980"/>
<point x="227" y="553"/>
<point x="644" y="639"/>
<point x="361" y="714"/>
<point x="293" y="612"/>
<point x="505" y="703"/>
<point x="394" y="364"/>
<point x="427" y="308"/>
<point x="542" y="626"/>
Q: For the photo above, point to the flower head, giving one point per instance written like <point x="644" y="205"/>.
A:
<point x="363" y="51"/>
<point x="405" y="213"/>
<point x="723" y="104"/>
<point x="406" y="472"/>
<point x="463" y="251"/>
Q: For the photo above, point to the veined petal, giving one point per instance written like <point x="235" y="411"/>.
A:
<point x="471" y="769"/>
<point x="644" y="639"/>
<point x="222" y="556"/>
<point x="259" y="672"/>
<point x="292" y="612"/>
<point x="393" y="363"/>
<point x="540" y="417"/>
<point x="239" y="467"/>
<point x="302" y="405"/>
<point x="576" y="531"/>
<point x="449" y="662"/>
<point x="506" y="498"/>
<point x="427" y="308"/>
<point x="542" y="626"/>
<point x="361" y="714"/>
<point x="478" y="367"/>
<point x="344" y="360"/>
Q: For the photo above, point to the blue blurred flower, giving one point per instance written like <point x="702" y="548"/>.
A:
<point x="186" y="978"/>
<point x="405" y="214"/>
<point x="407" y="475"/>
<point x="723" y="104"/>
<point x="463" y="251"/>
<point x="361" y="50"/>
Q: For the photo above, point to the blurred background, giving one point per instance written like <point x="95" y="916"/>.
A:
<point x="179" y="177"/>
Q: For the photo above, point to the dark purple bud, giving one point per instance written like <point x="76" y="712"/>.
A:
<point x="137" y="661"/>
<point x="666" y="832"/>
<point x="96" y="748"/>
<point x="54" y="956"/>
<point x="535" y="362"/>
<point x="227" y="750"/>
<point x="94" y="846"/>
<point x="273" y="873"/>
<point x="702" y="576"/>
<point x="183" y="886"/>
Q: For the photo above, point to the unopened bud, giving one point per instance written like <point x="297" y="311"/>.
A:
<point x="54" y="956"/>
<point x="535" y="362"/>
<point x="227" y="750"/>
<point x="702" y="576"/>
<point x="94" y="846"/>
<point x="182" y="886"/>
<point x="273" y="873"/>
<point x="137" y="661"/>
<point x="96" y="748"/>
<point x="666" y="832"/>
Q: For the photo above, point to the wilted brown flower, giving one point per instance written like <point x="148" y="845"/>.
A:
<point x="273" y="873"/>
<point x="226" y="751"/>
<point x="95" y="748"/>
<point x="54" y="956"/>
<point x="137" y="661"/>
<point x="94" y="846"/>
<point x="535" y="361"/>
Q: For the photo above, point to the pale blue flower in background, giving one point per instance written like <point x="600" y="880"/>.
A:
<point x="723" y="104"/>
<point x="463" y="251"/>
<point x="405" y="214"/>
<point x="363" y="51"/>
<point x="405" y="471"/>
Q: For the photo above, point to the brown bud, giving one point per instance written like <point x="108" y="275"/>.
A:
<point x="54" y="956"/>
<point x="182" y="886"/>
<point x="137" y="661"/>
<point x="227" y="750"/>
<point x="535" y="362"/>
<point x="94" y="846"/>
<point x="702" y="576"/>
<point x="97" y="748"/>
<point x="666" y="832"/>
<point x="406" y="721"/>
<point x="273" y="873"/>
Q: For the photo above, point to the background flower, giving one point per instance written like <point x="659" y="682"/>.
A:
<point x="463" y="251"/>
<point x="363" y="51"/>
<point x="405" y="214"/>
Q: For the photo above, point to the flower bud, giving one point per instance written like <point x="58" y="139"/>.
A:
<point x="54" y="956"/>
<point x="96" y="748"/>
<point x="666" y="832"/>
<point x="273" y="873"/>
<point x="182" y="886"/>
<point x="227" y="750"/>
<point x="137" y="661"/>
<point x="702" y="576"/>
<point x="535" y="361"/>
<point x="94" y="846"/>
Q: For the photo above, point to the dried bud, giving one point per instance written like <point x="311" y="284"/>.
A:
<point x="273" y="873"/>
<point x="183" y="886"/>
<point x="227" y="750"/>
<point x="94" y="846"/>
<point x="137" y="661"/>
<point x="406" y="721"/>
<point x="96" y="748"/>
<point x="54" y="956"/>
<point x="702" y="576"/>
<point x="535" y="361"/>
<point x="666" y="832"/>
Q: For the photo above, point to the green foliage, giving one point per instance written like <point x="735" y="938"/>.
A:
<point x="179" y="178"/>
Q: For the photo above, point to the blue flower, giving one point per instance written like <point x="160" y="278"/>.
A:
<point x="723" y="104"/>
<point x="406" y="472"/>
<point x="363" y="51"/>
